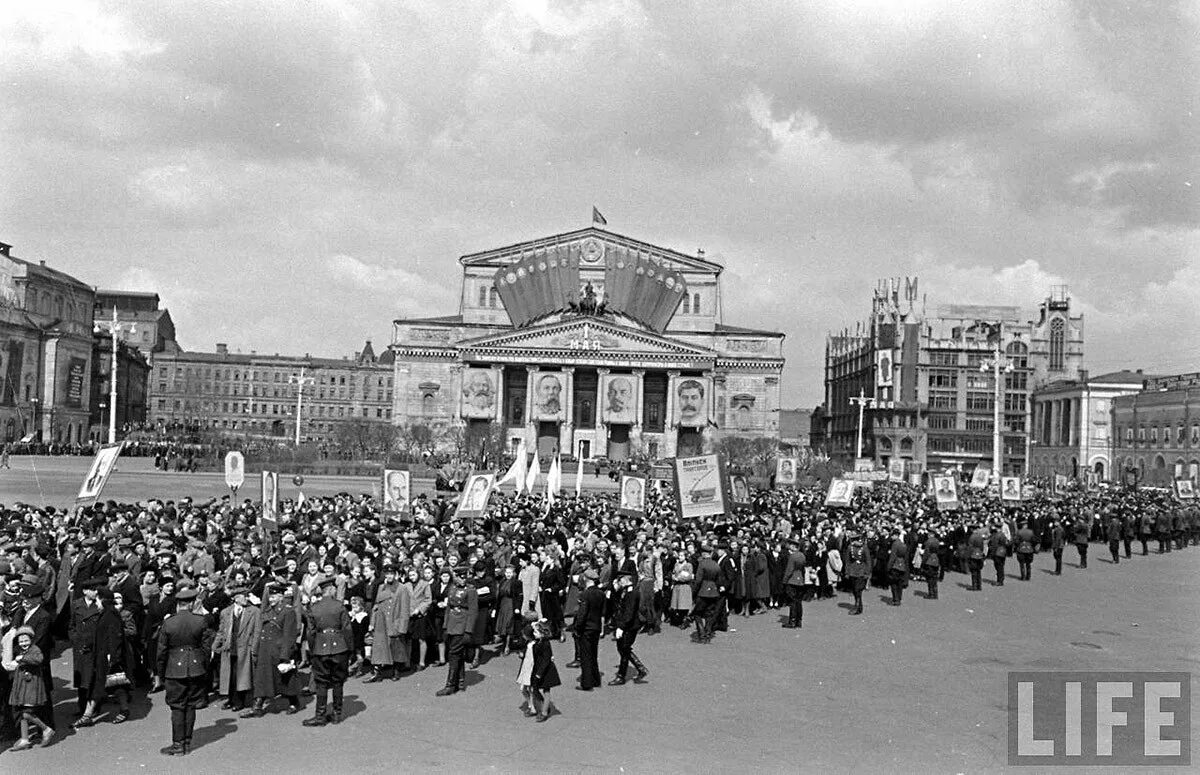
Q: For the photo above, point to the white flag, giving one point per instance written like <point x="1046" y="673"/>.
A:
<point x="578" y="478"/>
<point x="531" y="477"/>
<point x="517" y="471"/>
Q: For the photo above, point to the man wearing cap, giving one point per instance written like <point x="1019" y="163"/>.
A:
<point x="237" y="634"/>
<point x="858" y="570"/>
<point x="85" y="622"/>
<point x="708" y="595"/>
<point x="274" y="654"/>
<point x="976" y="552"/>
<point x="184" y="642"/>
<point x="330" y="636"/>
<point x="587" y="625"/>
<point x="793" y="581"/>
<point x="462" y="606"/>
<point x="627" y="621"/>
<point x="92" y="564"/>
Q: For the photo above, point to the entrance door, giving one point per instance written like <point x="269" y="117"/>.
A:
<point x="585" y="449"/>
<point x="690" y="442"/>
<point x="618" y="443"/>
<point x="547" y="441"/>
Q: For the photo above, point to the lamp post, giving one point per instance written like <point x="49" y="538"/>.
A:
<point x="864" y="402"/>
<point x="997" y="363"/>
<point x="299" y="381"/>
<point x="113" y="327"/>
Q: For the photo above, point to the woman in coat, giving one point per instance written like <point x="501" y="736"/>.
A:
<point x="401" y="619"/>
<point x="776" y="563"/>
<point x="276" y="646"/>
<point x="420" y="599"/>
<point x="531" y="584"/>
<point x="553" y="581"/>
<point x="760" y="580"/>
<point x="508" y="603"/>
<point x="682" y="576"/>
<point x="90" y="670"/>
<point x="485" y="595"/>
<point x="382" y="627"/>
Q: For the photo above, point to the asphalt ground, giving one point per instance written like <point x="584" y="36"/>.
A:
<point x="919" y="688"/>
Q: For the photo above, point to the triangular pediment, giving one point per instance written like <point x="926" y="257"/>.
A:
<point x="582" y="335"/>
<point x="593" y="243"/>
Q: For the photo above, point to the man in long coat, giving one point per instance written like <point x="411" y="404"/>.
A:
<point x="383" y="626"/>
<point x="89" y="673"/>
<point x="276" y="646"/>
<point x="237" y="634"/>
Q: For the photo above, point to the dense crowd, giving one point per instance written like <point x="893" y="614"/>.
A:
<point x="206" y="601"/>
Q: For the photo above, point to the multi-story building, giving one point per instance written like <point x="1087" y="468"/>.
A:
<point x="256" y="395"/>
<point x="153" y="330"/>
<point x="1072" y="424"/>
<point x="45" y="352"/>
<point x="590" y="344"/>
<point x="925" y="386"/>
<point x="133" y="372"/>
<point x="1156" y="432"/>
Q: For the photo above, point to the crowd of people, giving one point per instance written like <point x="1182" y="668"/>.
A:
<point x="207" y="603"/>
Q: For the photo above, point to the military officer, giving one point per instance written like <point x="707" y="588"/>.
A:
<point x="858" y="570"/>
<point x="462" y="606"/>
<point x="1115" y="530"/>
<point x="998" y="551"/>
<point x="330" y="636"/>
<point x="1146" y="530"/>
<point x="708" y="595"/>
<point x="793" y="580"/>
<point x="931" y="564"/>
<point x="184" y="642"/>
<point x="1058" y="542"/>
<point x="1025" y="547"/>
<point x="628" y="621"/>
<point x="1081" y="532"/>
<point x="976" y="551"/>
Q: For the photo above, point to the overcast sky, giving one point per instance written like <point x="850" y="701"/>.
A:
<point x="292" y="176"/>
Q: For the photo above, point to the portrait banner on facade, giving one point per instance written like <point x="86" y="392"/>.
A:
<point x="549" y="399"/>
<point x="98" y="472"/>
<point x="980" y="478"/>
<point x="883" y="370"/>
<point x="633" y="495"/>
<point x="840" y="493"/>
<point x="698" y="486"/>
<point x="475" y="493"/>
<point x="480" y="394"/>
<point x="785" y="471"/>
<point x="691" y="395"/>
<point x="397" y="492"/>
<point x="1185" y="489"/>
<point x="1010" y="488"/>
<point x="619" y="393"/>
<point x="945" y="492"/>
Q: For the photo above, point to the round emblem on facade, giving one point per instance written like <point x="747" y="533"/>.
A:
<point x="542" y="266"/>
<point x="591" y="251"/>
<point x="511" y="277"/>
<point x="670" y="282"/>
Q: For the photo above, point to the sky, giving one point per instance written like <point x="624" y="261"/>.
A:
<point x="293" y="176"/>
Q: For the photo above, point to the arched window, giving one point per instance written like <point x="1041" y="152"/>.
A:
<point x="695" y="304"/>
<point x="1057" y="344"/>
<point x="687" y="304"/>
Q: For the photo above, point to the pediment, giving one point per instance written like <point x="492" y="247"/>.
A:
<point x="583" y="335"/>
<point x="592" y="245"/>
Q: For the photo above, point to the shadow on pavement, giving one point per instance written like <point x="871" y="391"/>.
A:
<point x="204" y="735"/>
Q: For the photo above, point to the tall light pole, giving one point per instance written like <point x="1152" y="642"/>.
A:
<point x="864" y="402"/>
<point x="299" y="382"/>
<point x="998" y="363"/>
<point x="113" y="327"/>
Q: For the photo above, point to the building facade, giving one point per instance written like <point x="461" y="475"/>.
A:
<point x="927" y="385"/>
<point x="1072" y="425"/>
<point x="589" y="344"/>
<point x="256" y="395"/>
<point x="1156" y="432"/>
<point x="45" y="352"/>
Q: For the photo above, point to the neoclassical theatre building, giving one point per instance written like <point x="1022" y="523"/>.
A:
<point x="589" y="344"/>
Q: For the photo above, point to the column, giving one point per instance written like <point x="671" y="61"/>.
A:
<point x="498" y="381"/>
<point x="639" y="400"/>
<point x="531" y="373"/>
<point x="566" y="431"/>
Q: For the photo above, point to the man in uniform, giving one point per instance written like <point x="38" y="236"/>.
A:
<point x="1129" y="528"/>
<point x="976" y="551"/>
<point x="858" y="570"/>
<point x="627" y="621"/>
<point x="998" y="551"/>
<point x="462" y="606"/>
<point x="1162" y="526"/>
<point x="587" y="630"/>
<point x="1025" y="547"/>
<point x="793" y="580"/>
<point x="931" y="562"/>
<point x="1081" y="531"/>
<point x="329" y="642"/>
<point x="1058" y="542"/>
<point x="184" y="641"/>
<point x="708" y="595"/>
<point x="1146" y="530"/>
<point x="1115" y="530"/>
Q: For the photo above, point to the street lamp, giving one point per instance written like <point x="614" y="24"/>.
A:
<point x="113" y="328"/>
<point x="299" y="382"/>
<point x="997" y="363"/>
<point x="864" y="402"/>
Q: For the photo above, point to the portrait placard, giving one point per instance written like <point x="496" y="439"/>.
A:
<point x="698" y="486"/>
<point x="785" y="471"/>
<point x="980" y="478"/>
<point x="633" y="495"/>
<point x="479" y="394"/>
<point x="1010" y="488"/>
<point x="841" y="492"/>
<point x="945" y="492"/>
<point x="97" y="475"/>
<point x="397" y="491"/>
<point x="474" y="501"/>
